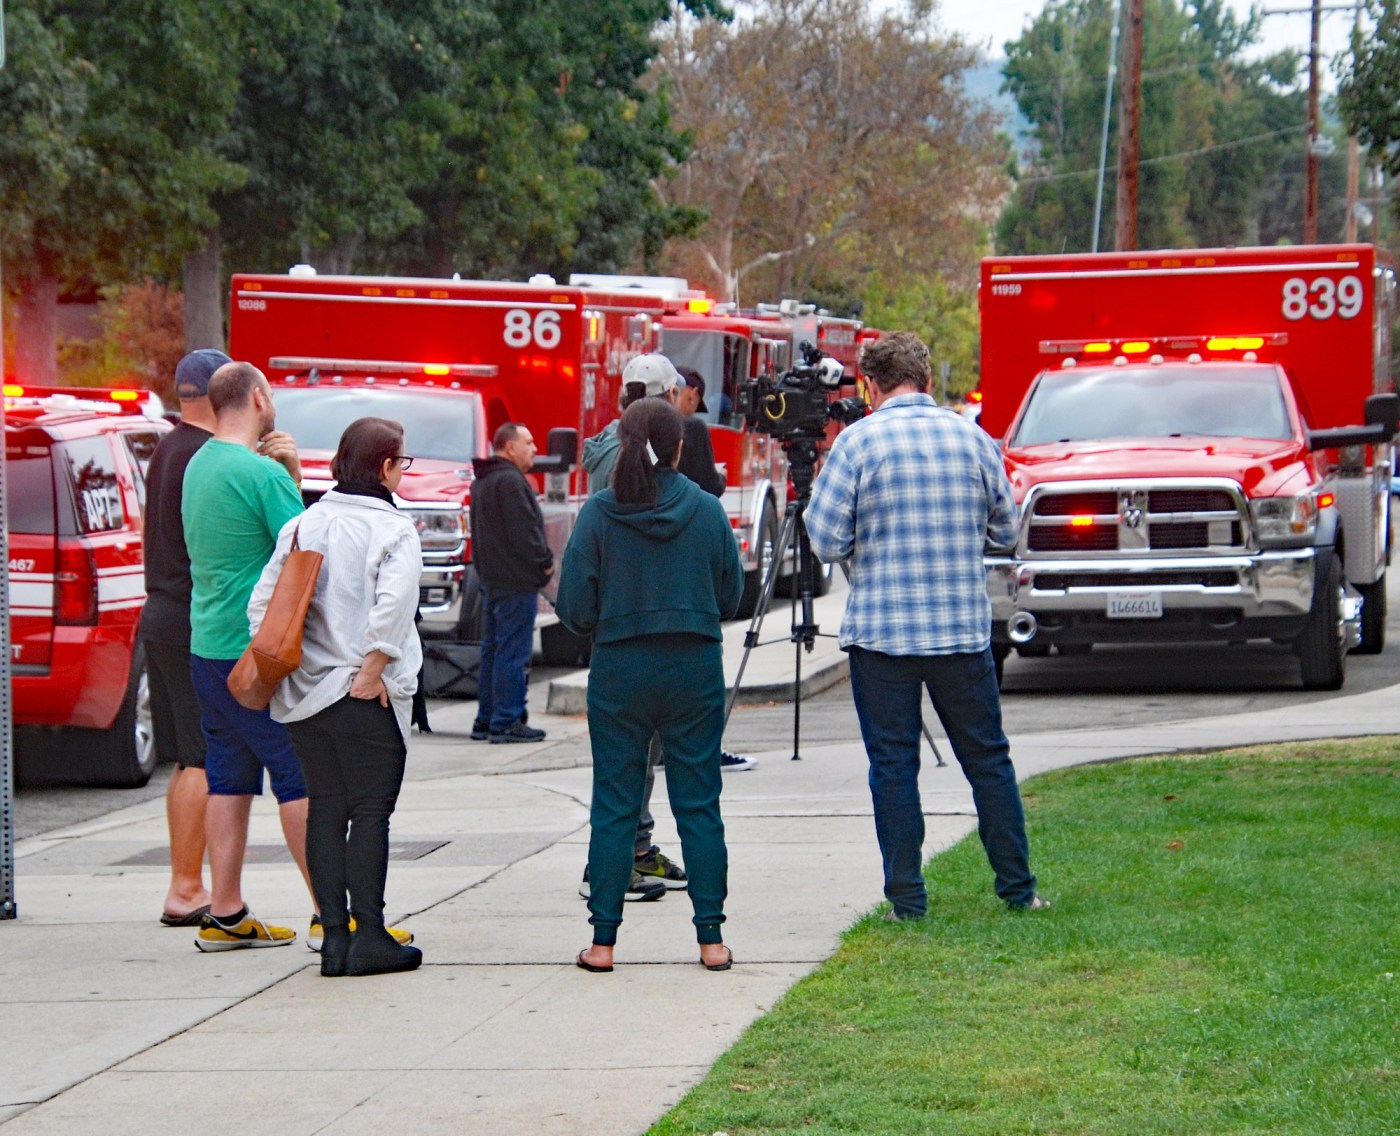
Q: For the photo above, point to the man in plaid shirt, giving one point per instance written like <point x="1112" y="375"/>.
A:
<point x="912" y="496"/>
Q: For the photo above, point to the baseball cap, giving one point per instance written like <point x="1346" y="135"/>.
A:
<point x="193" y="372"/>
<point x="655" y="372"/>
<point x="695" y="381"/>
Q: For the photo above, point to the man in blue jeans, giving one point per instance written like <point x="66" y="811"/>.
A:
<point x="513" y="562"/>
<point x="913" y="495"/>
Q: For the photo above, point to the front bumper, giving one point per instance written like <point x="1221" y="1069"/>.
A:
<point x="1259" y="595"/>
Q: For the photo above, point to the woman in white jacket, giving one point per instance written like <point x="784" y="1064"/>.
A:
<point x="347" y="707"/>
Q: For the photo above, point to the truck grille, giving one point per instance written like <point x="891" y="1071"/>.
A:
<point x="1134" y="519"/>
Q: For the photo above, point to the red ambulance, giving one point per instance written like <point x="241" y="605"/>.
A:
<point x="1178" y="431"/>
<point x="75" y="478"/>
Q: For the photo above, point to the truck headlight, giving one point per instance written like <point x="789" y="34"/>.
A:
<point x="440" y="530"/>
<point x="1285" y="520"/>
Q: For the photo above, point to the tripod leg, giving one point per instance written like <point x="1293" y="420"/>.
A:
<point x="765" y="596"/>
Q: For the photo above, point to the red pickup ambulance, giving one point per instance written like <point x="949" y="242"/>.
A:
<point x="1176" y="429"/>
<point x="75" y="479"/>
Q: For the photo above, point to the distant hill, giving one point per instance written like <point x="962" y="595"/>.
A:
<point x="984" y="84"/>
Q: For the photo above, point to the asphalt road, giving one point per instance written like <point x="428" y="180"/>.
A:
<point x="1113" y="686"/>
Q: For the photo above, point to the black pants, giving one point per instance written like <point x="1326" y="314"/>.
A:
<point x="352" y="756"/>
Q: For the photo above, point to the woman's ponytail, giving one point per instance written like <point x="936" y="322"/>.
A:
<point x="650" y="434"/>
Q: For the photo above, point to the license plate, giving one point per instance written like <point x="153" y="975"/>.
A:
<point x="1135" y="605"/>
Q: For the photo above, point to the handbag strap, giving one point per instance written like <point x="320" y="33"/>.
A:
<point x="296" y="537"/>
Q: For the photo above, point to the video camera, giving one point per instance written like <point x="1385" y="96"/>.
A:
<point x="797" y="404"/>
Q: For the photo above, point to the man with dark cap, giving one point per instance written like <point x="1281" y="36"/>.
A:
<point x="165" y="636"/>
<point x="697" y="454"/>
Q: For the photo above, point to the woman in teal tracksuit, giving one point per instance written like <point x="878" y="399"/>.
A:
<point x="650" y="572"/>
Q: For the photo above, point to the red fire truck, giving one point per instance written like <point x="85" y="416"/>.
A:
<point x="1177" y="435"/>
<point x="75" y="471"/>
<point x="451" y="360"/>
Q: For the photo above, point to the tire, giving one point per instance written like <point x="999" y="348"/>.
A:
<point x="1319" y="647"/>
<point x="560" y="647"/>
<point x="469" y="621"/>
<point x="124" y="756"/>
<point x="767" y="544"/>
<point x="1373" y="613"/>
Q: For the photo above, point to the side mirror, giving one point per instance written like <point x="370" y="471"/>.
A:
<point x="1384" y="410"/>
<point x="561" y="452"/>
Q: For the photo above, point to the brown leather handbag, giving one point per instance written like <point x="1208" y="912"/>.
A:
<point x="275" y="651"/>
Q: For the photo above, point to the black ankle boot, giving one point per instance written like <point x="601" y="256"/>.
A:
<point x="335" y="949"/>
<point x="374" y="951"/>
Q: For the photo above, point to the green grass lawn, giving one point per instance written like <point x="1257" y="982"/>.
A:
<point x="1221" y="957"/>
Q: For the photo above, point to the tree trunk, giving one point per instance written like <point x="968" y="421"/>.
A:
<point x="36" y="337"/>
<point x="203" y="289"/>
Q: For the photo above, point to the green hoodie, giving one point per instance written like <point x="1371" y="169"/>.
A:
<point x="634" y="570"/>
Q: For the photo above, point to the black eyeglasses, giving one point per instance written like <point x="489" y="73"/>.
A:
<point x="405" y="462"/>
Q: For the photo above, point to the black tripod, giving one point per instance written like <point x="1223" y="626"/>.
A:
<point x="802" y="460"/>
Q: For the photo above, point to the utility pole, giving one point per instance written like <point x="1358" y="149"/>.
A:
<point x="1310" y="187"/>
<point x="8" y="907"/>
<point x="1129" y="115"/>
<point x="1353" y="156"/>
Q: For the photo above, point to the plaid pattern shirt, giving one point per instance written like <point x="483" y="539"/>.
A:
<point x="913" y="495"/>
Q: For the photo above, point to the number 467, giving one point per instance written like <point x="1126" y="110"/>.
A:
<point x="1322" y="297"/>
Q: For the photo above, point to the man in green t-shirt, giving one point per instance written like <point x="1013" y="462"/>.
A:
<point x="239" y="490"/>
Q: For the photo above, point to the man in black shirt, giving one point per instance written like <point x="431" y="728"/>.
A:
<point x="165" y="636"/>
<point x="697" y="454"/>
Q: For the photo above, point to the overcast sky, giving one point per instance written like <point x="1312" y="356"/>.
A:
<point x="991" y="23"/>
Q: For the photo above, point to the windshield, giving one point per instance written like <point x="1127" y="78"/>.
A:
<point x="1154" y="402"/>
<point x="721" y="359"/>
<point x="435" y="425"/>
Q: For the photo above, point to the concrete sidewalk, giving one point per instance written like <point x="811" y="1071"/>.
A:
<point x="111" y="1023"/>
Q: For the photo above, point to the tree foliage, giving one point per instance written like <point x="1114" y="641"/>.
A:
<point x="831" y="140"/>
<point x="1368" y="92"/>
<point x="1214" y="127"/>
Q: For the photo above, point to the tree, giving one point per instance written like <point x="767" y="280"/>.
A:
<point x="1368" y="91"/>
<point x="106" y="164"/>
<point x="1214" y="127"/>
<point x="831" y="142"/>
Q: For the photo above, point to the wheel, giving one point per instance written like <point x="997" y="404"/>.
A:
<point x="560" y="647"/>
<point x="767" y="544"/>
<point x="469" y="621"/>
<point x="124" y="756"/>
<point x="1319" y="647"/>
<point x="1373" y="613"/>
<point x="999" y="653"/>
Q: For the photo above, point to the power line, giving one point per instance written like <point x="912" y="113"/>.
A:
<point x="1172" y="157"/>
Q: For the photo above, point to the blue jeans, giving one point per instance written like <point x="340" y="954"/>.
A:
<point x="508" y="636"/>
<point x="967" y="699"/>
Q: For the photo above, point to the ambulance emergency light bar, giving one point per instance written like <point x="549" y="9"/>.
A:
<point x="118" y="400"/>
<point x="1171" y="343"/>
<point x="372" y="367"/>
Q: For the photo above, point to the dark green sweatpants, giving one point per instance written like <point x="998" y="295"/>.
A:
<point x="672" y="685"/>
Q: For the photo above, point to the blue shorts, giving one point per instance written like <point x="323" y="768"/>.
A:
<point x="241" y="743"/>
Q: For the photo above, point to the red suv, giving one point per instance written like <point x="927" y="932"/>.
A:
<point x="75" y="480"/>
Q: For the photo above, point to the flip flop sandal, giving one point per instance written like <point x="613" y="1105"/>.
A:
<point x="725" y="965"/>
<point x="584" y="964"/>
<point x="189" y="919"/>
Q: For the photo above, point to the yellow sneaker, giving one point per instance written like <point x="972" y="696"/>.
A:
<point x="250" y="932"/>
<point x="315" y="933"/>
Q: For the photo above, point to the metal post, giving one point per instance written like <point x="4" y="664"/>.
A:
<point x="8" y="909"/>
<point x="1107" y="112"/>
<point x="1310" y="186"/>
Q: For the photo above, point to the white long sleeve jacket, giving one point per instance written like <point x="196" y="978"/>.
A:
<point x="365" y="600"/>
